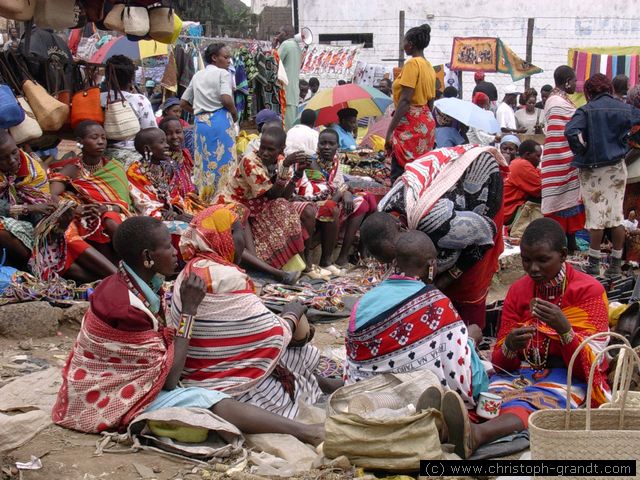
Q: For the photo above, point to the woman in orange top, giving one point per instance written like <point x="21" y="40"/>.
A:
<point x="411" y="133"/>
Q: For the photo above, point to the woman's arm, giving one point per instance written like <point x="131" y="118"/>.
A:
<point x="229" y="104"/>
<point x="184" y="308"/>
<point x="401" y="110"/>
<point x="186" y="106"/>
<point x="505" y="355"/>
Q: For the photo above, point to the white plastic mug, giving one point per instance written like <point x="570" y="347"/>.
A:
<point x="488" y="405"/>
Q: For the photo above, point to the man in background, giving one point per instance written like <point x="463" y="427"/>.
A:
<point x="620" y="87"/>
<point x="304" y="90"/>
<point x="488" y="88"/>
<point x="291" y="57"/>
<point x="13" y="41"/>
<point x="385" y="86"/>
<point x="314" y="86"/>
<point x="545" y="91"/>
<point x="506" y="111"/>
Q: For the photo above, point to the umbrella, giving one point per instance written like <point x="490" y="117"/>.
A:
<point x="133" y="50"/>
<point x="468" y="113"/>
<point x="369" y="102"/>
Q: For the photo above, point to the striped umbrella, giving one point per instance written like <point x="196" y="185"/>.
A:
<point x="368" y="101"/>
<point x="133" y="50"/>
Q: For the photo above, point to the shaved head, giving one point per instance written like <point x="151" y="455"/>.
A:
<point x="414" y="253"/>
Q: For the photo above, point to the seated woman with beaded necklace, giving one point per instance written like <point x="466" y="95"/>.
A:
<point x="546" y="316"/>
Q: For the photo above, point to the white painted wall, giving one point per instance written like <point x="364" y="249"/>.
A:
<point x="258" y="5"/>
<point x="559" y="25"/>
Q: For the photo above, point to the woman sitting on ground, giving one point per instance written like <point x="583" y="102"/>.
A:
<point x="127" y="361"/>
<point x="172" y="108"/>
<point x="263" y="367"/>
<point x="324" y="185"/>
<point x="407" y="324"/>
<point x="24" y="201"/>
<point x="98" y="184"/>
<point x="263" y="182"/>
<point x="158" y="185"/>
<point x="546" y="316"/>
<point x="183" y="162"/>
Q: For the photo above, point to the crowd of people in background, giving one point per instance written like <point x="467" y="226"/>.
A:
<point x="178" y="201"/>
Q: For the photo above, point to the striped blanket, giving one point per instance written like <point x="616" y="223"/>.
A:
<point x="560" y="183"/>
<point x="587" y="64"/>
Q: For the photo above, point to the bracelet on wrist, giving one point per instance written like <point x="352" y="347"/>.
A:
<point x="185" y="326"/>
<point x="567" y="337"/>
<point x="507" y="352"/>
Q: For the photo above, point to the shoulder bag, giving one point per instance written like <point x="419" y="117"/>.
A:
<point x="135" y="21"/>
<point x="120" y="121"/>
<point x="22" y="10"/>
<point x="161" y="23"/>
<point x="85" y="104"/>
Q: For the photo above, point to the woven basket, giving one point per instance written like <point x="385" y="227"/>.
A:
<point x="589" y="434"/>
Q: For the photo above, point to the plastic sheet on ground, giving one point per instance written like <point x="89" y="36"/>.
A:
<point x="25" y="407"/>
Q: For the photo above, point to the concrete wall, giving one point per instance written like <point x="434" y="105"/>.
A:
<point x="258" y="5"/>
<point x="559" y="25"/>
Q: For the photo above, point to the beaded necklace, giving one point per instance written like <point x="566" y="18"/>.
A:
<point x="91" y="169"/>
<point x="132" y="286"/>
<point x="551" y="291"/>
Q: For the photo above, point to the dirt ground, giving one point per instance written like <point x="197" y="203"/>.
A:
<point x="68" y="455"/>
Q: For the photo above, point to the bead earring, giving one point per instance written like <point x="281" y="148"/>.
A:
<point x="148" y="263"/>
<point x="431" y="273"/>
<point x="79" y="145"/>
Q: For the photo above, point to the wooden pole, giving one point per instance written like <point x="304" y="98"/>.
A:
<point x="529" y="57"/>
<point x="401" y="39"/>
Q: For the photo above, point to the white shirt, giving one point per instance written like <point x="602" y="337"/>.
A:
<point x="506" y="116"/>
<point x="205" y="91"/>
<point x="141" y="107"/>
<point x="302" y="138"/>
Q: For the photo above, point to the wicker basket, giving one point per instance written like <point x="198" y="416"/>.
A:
<point x="619" y="379"/>
<point x="589" y="434"/>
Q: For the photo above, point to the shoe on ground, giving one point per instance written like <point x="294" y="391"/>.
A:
<point x="615" y="268"/>
<point x="317" y="273"/>
<point x="335" y="270"/>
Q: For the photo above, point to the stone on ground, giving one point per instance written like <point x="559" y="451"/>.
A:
<point x="29" y="320"/>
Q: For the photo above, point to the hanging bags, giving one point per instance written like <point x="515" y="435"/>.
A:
<point x="11" y="114"/>
<point x="120" y="121"/>
<point x="59" y="14"/>
<point x="94" y="9"/>
<point x="161" y="23"/>
<point x="135" y="21"/>
<point x="113" y="20"/>
<point x="85" y="104"/>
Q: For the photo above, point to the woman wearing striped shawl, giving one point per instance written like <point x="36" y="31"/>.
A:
<point x="238" y="346"/>
<point x="560" y="184"/>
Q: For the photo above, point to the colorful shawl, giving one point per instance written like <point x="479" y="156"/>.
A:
<point x="237" y="342"/>
<point x="585" y="305"/>
<point x="111" y="375"/>
<point x="404" y="325"/>
<point x="560" y="183"/>
<point x="155" y="188"/>
<point x="28" y="186"/>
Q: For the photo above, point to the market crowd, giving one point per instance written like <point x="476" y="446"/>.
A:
<point x="176" y="201"/>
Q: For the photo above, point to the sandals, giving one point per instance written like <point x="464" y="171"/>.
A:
<point x="458" y="425"/>
<point x="430" y="398"/>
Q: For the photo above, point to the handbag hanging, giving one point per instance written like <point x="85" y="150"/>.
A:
<point x="85" y="104"/>
<point x="135" y="21"/>
<point x="22" y="10"/>
<point x="50" y="112"/>
<point x="120" y="121"/>
<point x="11" y="113"/>
<point x="29" y="128"/>
<point x="161" y="23"/>
<point x="60" y="14"/>
<point x="113" y="20"/>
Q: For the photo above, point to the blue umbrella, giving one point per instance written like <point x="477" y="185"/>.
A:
<point x="468" y="113"/>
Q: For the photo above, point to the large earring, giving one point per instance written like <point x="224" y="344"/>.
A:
<point x="147" y="156"/>
<point x="148" y="263"/>
<point x="79" y="145"/>
<point x="431" y="274"/>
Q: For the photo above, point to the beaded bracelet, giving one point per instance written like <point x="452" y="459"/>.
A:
<point x="507" y="352"/>
<point x="185" y="327"/>
<point x="567" y="338"/>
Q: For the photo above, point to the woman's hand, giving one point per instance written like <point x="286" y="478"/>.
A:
<point x="519" y="338"/>
<point x="168" y="215"/>
<point x="41" y="209"/>
<point x="550" y="314"/>
<point x="347" y="202"/>
<point x="388" y="145"/>
<point x="90" y="210"/>
<point x="192" y="291"/>
<point x="185" y="217"/>
<point x="296" y="157"/>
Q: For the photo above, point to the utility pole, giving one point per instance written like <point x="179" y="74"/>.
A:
<point x="401" y="40"/>
<point x="295" y="15"/>
<point x="529" y="57"/>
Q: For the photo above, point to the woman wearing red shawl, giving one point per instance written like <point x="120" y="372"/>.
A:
<point x="97" y="183"/>
<point x="24" y="201"/>
<point x="546" y="316"/>
<point x="127" y="360"/>
<point x="174" y="131"/>
<point x="238" y="346"/>
<point x="454" y="195"/>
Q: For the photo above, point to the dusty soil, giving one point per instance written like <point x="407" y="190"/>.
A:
<point x="68" y="455"/>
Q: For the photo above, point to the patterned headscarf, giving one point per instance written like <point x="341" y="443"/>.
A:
<point x="210" y="236"/>
<point x="633" y="96"/>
